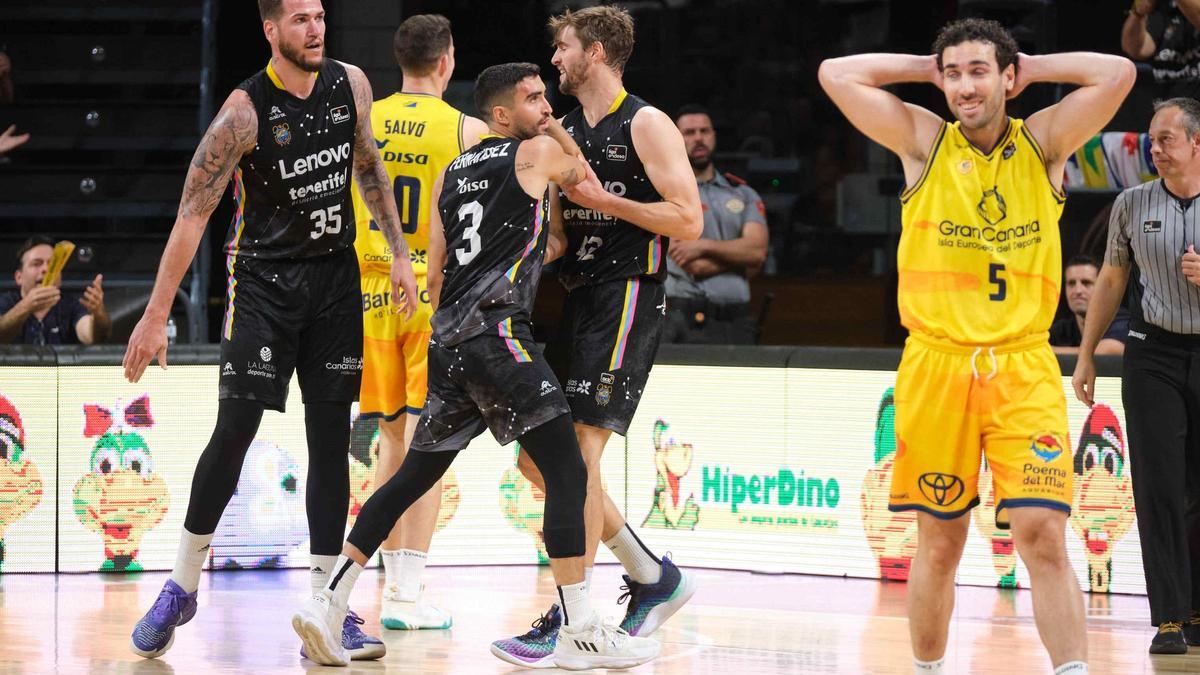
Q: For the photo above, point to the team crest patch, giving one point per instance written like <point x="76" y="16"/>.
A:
<point x="965" y="166"/>
<point x="992" y="207"/>
<point x="283" y="134"/>
<point x="1009" y="150"/>
<point x="1151" y="226"/>
<point x="340" y="114"/>
<point x="604" y="389"/>
<point x="616" y="153"/>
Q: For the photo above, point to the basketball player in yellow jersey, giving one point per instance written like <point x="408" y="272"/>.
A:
<point x="418" y="134"/>
<point x="979" y="264"/>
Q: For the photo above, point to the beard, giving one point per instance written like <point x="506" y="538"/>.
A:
<point x="702" y="162"/>
<point x="573" y="80"/>
<point x="295" y="55"/>
<point x="528" y="131"/>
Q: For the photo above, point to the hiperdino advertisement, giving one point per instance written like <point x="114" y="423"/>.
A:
<point x="767" y="469"/>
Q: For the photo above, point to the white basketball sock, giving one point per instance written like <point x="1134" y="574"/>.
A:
<point x="576" y="607"/>
<point x="1072" y="668"/>
<point x="587" y="577"/>
<point x="408" y="580"/>
<point x="319" y="569"/>
<point x="641" y="565"/>
<point x="391" y="565"/>
<point x="936" y="667"/>
<point x="341" y="582"/>
<point x="189" y="560"/>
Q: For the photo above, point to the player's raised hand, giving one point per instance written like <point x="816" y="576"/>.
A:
<point x="1084" y="380"/>
<point x="404" y="285"/>
<point x="1023" y="78"/>
<point x="149" y="339"/>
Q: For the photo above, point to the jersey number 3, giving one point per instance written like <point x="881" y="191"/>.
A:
<point x="472" y="211"/>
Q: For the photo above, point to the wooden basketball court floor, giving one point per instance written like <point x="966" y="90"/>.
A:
<point x="737" y="623"/>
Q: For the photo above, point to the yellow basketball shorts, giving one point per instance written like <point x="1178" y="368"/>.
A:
<point x="956" y="403"/>
<point x="395" y="351"/>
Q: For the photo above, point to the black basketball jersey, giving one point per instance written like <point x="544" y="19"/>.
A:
<point x="601" y="247"/>
<point x="293" y="189"/>
<point x="495" y="242"/>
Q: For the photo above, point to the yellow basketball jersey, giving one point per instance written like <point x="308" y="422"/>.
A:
<point x="417" y="136"/>
<point x="980" y="260"/>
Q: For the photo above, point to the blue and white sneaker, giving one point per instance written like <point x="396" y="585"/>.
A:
<point x="534" y="649"/>
<point x="358" y="645"/>
<point x="650" y="605"/>
<point x="155" y="633"/>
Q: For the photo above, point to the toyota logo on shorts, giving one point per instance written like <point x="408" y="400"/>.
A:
<point x="940" y="488"/>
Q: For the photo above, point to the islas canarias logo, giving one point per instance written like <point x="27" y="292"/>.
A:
<point x="1046" y="447"/>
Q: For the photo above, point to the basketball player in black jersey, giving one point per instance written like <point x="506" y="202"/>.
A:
<point x="290" y="137"/>
<point x="614" y="268"/>
<point x="485" y="371"/>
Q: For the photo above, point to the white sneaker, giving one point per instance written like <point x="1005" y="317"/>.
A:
<point x="600" y="644"/>
<point x="319" y="625"/>
<point x="397" y="614"/>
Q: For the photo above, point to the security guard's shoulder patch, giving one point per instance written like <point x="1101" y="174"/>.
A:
<point x="734" y="179"/>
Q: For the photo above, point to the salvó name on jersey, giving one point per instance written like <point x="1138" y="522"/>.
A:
<point x="473" y="158"/>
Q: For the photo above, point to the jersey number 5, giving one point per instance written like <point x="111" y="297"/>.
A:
<point x="994" y="278"/>
<point x="474" y="212"/>
<point x="326" y="221"/>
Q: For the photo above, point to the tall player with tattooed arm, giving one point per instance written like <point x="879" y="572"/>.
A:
<point x="290" y="137"/>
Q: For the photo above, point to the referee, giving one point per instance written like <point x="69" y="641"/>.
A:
<point x="1154" y="228"/>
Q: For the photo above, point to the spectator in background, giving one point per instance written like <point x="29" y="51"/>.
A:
<point x="1167" y="34"/>
<point x="1079" y="280"/>
<point x="39" y="315"/>
<point x="708" y="294"/>
<point x="10" y="138"/>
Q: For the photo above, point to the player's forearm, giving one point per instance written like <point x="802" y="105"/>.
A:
<point x="1086" y="69"/>
<point x="433" y="284"/>
<point x="1134" y="36"/>
<point x="667" y="218"/>
<point x="177" y="257"/>
<point x="558" y="133"/>
<point x="877" y="70"/>
<point x="372" y="181"/>
<point x="1106" y="299"/>
<point x="1190" y="10"/>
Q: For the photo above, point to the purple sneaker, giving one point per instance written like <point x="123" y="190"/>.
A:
<point x="359" y="645"/>
<point x="534" y="649"/>
<point x="652" y="604"/>
<point x="155" y="633"/>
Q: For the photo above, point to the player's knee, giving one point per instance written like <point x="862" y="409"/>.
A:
<point x="941" y="549"/>
<point x="529" y="470"/>
<point x="1041" y="542"/>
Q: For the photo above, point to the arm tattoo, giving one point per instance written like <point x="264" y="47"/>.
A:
<point x="229" y="137"/>
<point x="521" y="166"/>
<point x="570" y="177"/>
<point x="369" y="173"/>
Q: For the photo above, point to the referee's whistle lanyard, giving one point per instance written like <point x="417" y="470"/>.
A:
<point x="991" y="352"/>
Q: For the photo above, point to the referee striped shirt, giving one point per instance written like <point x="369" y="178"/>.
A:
<point x="1153" y="228"/>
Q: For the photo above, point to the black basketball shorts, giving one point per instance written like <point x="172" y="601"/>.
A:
<point x="292" y="315"/>
<point x="498" y="380"/>
<point x="606" y="346"/>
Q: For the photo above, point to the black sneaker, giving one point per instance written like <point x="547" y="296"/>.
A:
<point x="1191" y="630"/>
<point x="1169" y="639"/>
